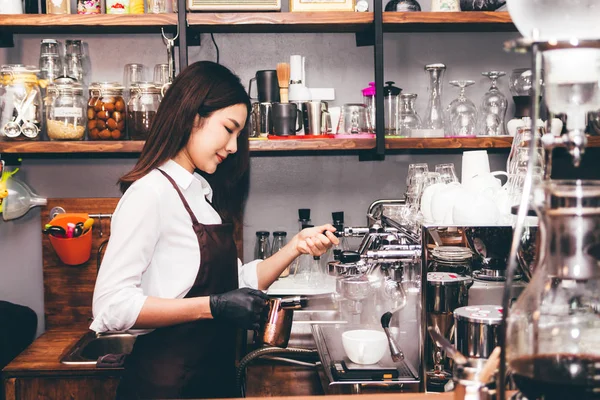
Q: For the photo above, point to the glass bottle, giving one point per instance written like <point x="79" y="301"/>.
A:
<point x="553" y="340"/>
<point x="408" y="119"/>
<point x="144" y="100"/>
<point x="21" y="102"/>
<point x="279" y="241"/>
<point x="106" y="111"/>
<point x="434" y="115"/>
<point x="262" y="248"/>
<point x="369" y="100"/>
<point x="391" y="100"/>
<point x="65" y="115"/>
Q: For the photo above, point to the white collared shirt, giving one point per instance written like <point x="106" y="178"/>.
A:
<point x="153" y="250"/>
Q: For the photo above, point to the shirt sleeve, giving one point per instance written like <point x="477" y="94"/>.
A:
<point x="247" y="275"/>
<point x="135" y="229"/>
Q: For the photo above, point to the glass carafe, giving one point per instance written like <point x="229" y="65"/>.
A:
<point x="553" y="343"/>
<point x="408" y="119"/>
<point x="434" y="115"/>
<point x="21" y="102"/>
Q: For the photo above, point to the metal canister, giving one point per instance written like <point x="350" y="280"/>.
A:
<point x="447" y="291"/>
<point x="477" y="330"/>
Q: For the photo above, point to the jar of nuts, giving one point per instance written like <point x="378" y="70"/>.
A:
<point x="65" y="119"/>
<point x="106" y="111"/>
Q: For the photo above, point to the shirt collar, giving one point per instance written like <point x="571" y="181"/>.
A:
<point x="184" y="179"/>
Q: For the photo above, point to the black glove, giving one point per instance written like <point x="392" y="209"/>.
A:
<point x="241" y="307"/>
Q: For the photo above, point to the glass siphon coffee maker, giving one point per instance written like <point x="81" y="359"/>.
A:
<point x="553" y="337"/>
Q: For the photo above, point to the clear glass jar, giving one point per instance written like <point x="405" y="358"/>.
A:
<point x="391" y="104"/>
<point x="106" y="111"/>
<point x="408" y="119"/>
<point x="144" y="99"/>
<point x="262" y="248"/>
<point x="21" y="113"/>
<point x="279" y="241"/>
<point x="553" y="334"/>
<point x="65" y="118"/>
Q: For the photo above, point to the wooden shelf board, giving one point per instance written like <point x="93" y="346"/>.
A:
<point x="27" y="23"/>
<point x="499" y="142"/>
<point x="256" y="146"/>
<point x="466" y="21"/>
<point x="281" y="22"/>
<point x="311" y="144"/>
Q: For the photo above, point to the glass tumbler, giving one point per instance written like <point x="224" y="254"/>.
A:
<point x="447" y="172"/>
<point x="133" y="73"/>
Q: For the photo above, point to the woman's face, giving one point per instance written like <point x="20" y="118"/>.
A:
<point x="215" y="139"/>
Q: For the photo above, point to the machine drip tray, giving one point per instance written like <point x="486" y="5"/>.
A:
<point x="342" y="371"/>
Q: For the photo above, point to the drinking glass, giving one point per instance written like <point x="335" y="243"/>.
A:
<point x="133" y="73"/>
<point x="354" y="120"/>
<point x="156" y="6"/>
<point x="74" y="47"/>
<point x="51" y="67"/>
<point x="493" y="108"/>
<point x="49" y="47"/>
<point x="416" y="173"/>
<point x="447" y="172"/>
<point x="161" y="74"/>
<point x="461" y="113"/>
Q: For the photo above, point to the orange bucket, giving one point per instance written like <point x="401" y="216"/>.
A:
<point x="72" y="251"/>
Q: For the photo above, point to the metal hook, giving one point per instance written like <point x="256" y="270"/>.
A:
<point x="100" y="223"/>
<point x="170" y="43"/>
<point x="173" y="39"/>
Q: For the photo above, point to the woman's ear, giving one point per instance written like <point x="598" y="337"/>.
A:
<point x="197" y="121"/>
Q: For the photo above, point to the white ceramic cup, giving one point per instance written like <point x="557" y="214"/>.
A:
<point x="474" y="163"/>
<point x="364" y="346"/>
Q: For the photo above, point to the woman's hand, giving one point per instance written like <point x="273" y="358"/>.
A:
<point x="315" y="241"/>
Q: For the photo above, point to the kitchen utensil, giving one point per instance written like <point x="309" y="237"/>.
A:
<point x="20" y="199"/>
<point x="395" y="351"/>
<point x="283" y="77"/>
<point x="71" y="250"/>
<point x="287" y="119"/>
<point x="391" y="103"/>
<point x="447" y="346"/>
<point x="477" y="330"/>
<point x="316" y="118"/>
<point x="267" y="86"/>
<point x="278" y="326"/>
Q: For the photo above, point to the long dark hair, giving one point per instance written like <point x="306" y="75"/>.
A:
<point x="200" y="89"/>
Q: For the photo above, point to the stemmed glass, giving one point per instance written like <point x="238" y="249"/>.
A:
<point x="461" y="113"/>
<point x="493" y="108"/>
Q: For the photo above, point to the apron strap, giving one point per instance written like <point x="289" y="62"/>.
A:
<point x="197" y="226"/>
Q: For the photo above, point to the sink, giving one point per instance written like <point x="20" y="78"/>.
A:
<point x="93" y="345"/>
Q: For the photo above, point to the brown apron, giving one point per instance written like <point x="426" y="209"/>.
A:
<point x="195" y="359"/>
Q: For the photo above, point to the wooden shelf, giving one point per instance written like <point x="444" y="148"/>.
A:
<point x="311" y="144"/>
<point x="273" y="22"/>
<point x="258" y="146"/>
<point x="500" y="142"/>
<point x="106" y="23"/>
<point x="281" y="22"/>
<point x="466" y="21"/>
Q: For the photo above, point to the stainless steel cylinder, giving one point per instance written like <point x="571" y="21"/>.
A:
<point x="477" y="330"/>
<point x="447" y="291"/>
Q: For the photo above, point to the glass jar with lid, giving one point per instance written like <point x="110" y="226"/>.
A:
<point x="106" y="111"/>
<point x="21" y="113"/>
<point x="144" y="99"/>
<point x="65" y="118"/>
<point x="391" y="103"/>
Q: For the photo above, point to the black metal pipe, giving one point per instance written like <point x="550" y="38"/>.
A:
<point x="378" y="52"/>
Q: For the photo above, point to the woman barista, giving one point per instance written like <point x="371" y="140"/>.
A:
<point x="171" y="272"/>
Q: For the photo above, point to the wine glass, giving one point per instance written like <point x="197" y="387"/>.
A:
<point x="493" y="108"/>
<point x="461" y="113"/>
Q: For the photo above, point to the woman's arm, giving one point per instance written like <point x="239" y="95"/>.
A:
<point x="314" y="241"/>
<point x="158" y="312"/>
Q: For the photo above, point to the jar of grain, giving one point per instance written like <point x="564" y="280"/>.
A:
<point x="106" y="111"/>
<point x="65" y="118"/>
